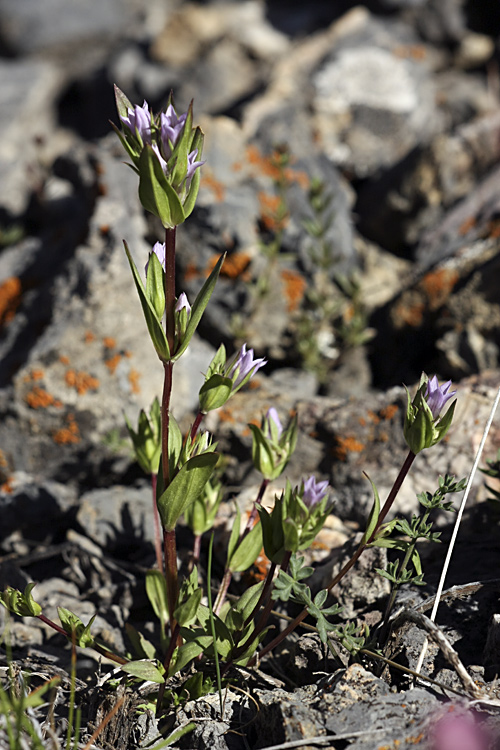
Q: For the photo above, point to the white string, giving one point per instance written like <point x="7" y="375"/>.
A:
<point x="440" y="587"/>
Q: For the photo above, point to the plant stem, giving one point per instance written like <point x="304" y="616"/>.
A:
<point x="196" y="424"/>
<point x="156" y="521"/>
<point x="169" y="541"/>
<point x="387" y="506"/>
<point x="100" y="649"/>
<point x="226" y="580"/>
<point x="166" y="665"/>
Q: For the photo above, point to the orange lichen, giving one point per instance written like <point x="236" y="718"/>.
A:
<point x="347" y="445"/>
<point x="374" y="417"/>
<point x="274" y="166"/>
<point x="217" y="187"/>
<point x="133" y="379"/>
<point x="254" y="384"/>
<point x="438" y="285"/>
<point x="389" y="412"/>
<point x="191" y="272"/>
<point x="81" y="381"/>
<point x="412" y="51"/>
<point x="39" y="398"/>
<point x="37" y="374"/>
<point x="467" y="225"/>
<point x="109" y="342"/>
<point x="259" y="569"/>
<point x="64" y="360"/>
<point x="113" y="362"/>
<point x="89" y="337"/>
<point x="67" y="435"/>
<point x="273" y="213"/>
<point x="7" y="486"/>
<point x="233" y="267"/>
<point x="10" y="298"/>
<point x="295" y="286"/>
<point x="226" y="415"/>
<point x="412" y="315"/>
<point x="494" y="229"/>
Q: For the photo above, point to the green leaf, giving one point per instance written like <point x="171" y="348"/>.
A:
<point x="185" y="613"/>
<point x="199" y="306"/>
<point x="145" y="670"/>
<point x="184" y="654"/>
<point x="247" y="550"/>
<point x="248" y="600"/>
<point x="174" y="445"/>
<point x="35" y="698"/>
<point x="154" y="325"/>
<point x="142" y="647"/>
<point x="156" y="590"/>
<point x="215" y="392"/>
<point x="74" y="627"/>
<point x="235" y="535"/>
<point x="185" y="487"/>
<point x="21" y="604"/>
<point x="175" y="736"/>
<point x="374" y="514"/>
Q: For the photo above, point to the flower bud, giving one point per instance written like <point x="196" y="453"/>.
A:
<point x="424" y="426"/>
<point x="147" y="439"/>
<point x="273" y="446"/>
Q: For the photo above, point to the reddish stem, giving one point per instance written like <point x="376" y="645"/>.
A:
<point x="196" y="424"/>
<point x="156" y="521"/>
<point x="100" y="649"/>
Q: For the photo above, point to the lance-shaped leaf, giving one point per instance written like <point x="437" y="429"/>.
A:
<point x="156" y="193"/>
<point x="145" y="670"/>
<point x="154" y="325"/>
<point x="246" y="551"/>
<point x="199" y="306"/>
<point x="185" y="487"/>
<point x="123" y="104"/>
<point x="74" y="627"/>
<point x="156" y="589"/>
<point x="374" y="514"/>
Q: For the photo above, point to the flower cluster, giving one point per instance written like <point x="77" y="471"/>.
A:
<point x="272" y="445"/>
<point x="225" y="378"/>
<point x="166" y="154"/>
<point x="424" y="425"/>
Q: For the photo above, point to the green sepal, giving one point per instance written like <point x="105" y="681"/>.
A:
<point x="273" y="537"/>
<point x="199" y="306"/>
<point x="185" y="487"/>
<point x="149" y="671"/>
<point x="374" y="514"/>
<point x="21" y="604"/>
<point x="180" y="154"/>
<point x="247" y="550"/>
<point x="155" y="192"/>
<point x="154" y="325"/>
<point x="194" y="188"/>
<point x="445" y="421"/>
<point x="123" y="104"/>
<point x="155" y="285"/>
<point x="74" y="627"/>
<point x="291" y="534"/>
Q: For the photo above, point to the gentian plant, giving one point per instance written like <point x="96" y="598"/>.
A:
<point x="165" y="153"/>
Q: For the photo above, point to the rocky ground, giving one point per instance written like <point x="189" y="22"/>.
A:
<point x="352" y="177"/>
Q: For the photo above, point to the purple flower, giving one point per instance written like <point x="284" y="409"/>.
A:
<point x="272" y="416"/>
<point x="171" y="128"/>
<point x="183" y="303"/>
<point x="159" y="251"/>
<point x="139" y="119"/>
<point x="437" y="395"/>
<point x="244" y="365"/>
<point x="314" y="492"/>
<point x="192" y="165"/>
<point x="458" y="733"/>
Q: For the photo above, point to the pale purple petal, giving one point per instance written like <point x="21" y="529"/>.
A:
<point x="244" y="365"/>
<point x="162" y="161"/>
<point x="171" y="128"/>
<point x="183" y="303"/>
<point x="314" y="492"/>
<point x="437" y="395"/>
<point x="159" y="251"/>
<point x="272" y="416"/>
<point x="139" y="118"/>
